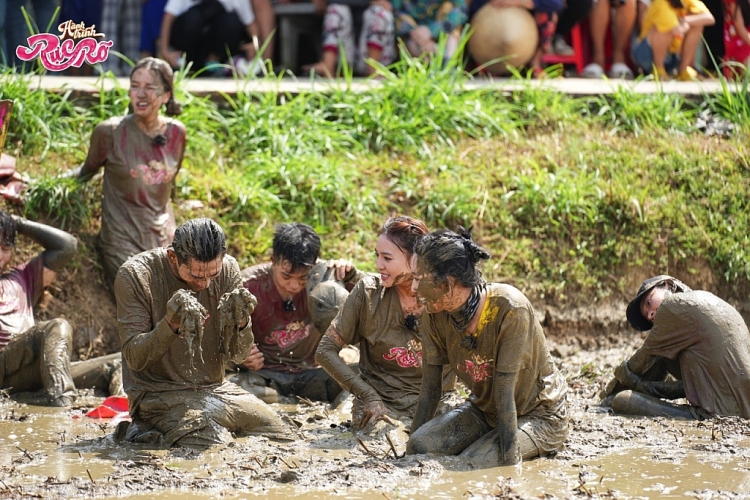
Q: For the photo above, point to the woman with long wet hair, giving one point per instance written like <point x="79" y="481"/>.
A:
<point x="490" y="335"/>
<point x="141" y="154"/>
<point x="381" y="317"/>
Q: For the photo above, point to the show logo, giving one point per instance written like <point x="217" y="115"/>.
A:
<point x="77" y="44"/>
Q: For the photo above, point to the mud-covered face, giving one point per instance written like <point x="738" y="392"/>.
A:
<point x="435" y="297"/>
<point x="196" y="275"/>
<point x="651" y="302"/>
<point x="6" y="252"/>
<point x="147" y="94"/>
<point x="391" y="262"/>
<point x="288" y="283"/>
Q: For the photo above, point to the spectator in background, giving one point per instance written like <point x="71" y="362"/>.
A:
<point x="376" y="41"/>
<point x="42" y="15"/>
<point x="88" y="12"/>
<point x="545" y="16"/>
<point x="573" y="13"/>
<point x="151" y="18"/>
<point x="265" y="20"/>
<point x="736" y="37"/>
<point x="121" y="22"/>
<point x="421" y="22"/>
<point x="599" y="23"/>
<point x="207" y="32"/>
<point x="669" y="37"/>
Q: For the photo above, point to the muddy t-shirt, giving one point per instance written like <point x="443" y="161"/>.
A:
<point x="20" y="289"/>
<point x="711" y="341"/>
<point x="287" y="339"/>
<point x="390" y="357"/>
<point x="138" y="180"/>
<point x="155" y="358"/>
<point x="509" y="339"/>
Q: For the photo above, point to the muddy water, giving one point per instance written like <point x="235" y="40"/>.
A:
<point x="54" y="454"/>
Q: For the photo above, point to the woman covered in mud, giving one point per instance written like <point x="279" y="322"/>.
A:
<point x="491" y="337"/>
<point x="141" y="154"/>
<point x="381" y="315"/>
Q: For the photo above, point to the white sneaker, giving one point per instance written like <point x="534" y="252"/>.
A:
<point x="620" y="70"/>
<point x="561" y="47"/>
<point x="245" y="67"/>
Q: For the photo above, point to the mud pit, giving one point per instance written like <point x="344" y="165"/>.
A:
<point x="48" y="453"/>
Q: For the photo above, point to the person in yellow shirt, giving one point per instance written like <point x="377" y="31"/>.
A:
<point x="669" y="37"/>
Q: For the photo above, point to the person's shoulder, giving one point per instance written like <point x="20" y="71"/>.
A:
<point x="144" y="262"/>
<point x="258" y="272"/>
<point x="508" y="294"/>
<point x="369" y="285"/>
<point x="109" y="125"/>
<point x="175" y="123"/>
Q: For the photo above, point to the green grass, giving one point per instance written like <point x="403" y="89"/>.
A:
<point x="573" y="197"/>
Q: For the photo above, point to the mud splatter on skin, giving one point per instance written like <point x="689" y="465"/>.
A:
<point x="235" y="308"/>
<point x="192" y="316"/>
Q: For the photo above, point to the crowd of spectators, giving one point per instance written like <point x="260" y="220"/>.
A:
<point x="622" y="37"/>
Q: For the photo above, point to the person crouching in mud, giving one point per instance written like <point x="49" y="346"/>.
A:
<point x="696" y="337"/>
<point x="182" y="313"/>
<point x="490" y="335"/>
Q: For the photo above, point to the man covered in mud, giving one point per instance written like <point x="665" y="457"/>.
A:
<point x="182" y="313"/>
<point x="35" y="355"/>
<point x="297" y="299"/>
<point x="696" y="337"/>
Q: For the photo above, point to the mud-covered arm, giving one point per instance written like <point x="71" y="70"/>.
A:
<point x="142" y="342"/>
<point x="59" y="246"/>
<point x="100" y="145"/>
<point x="630" y="371"/>
<point x="507" y="420"/>
<point x="327" y="356"/>
<point x="244" y="306"/>
<point x="429" y="395"/>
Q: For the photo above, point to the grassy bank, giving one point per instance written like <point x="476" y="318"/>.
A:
<point x="571" y="196"/>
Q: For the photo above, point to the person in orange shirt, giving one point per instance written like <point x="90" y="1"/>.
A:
<point x="669" y="37"/>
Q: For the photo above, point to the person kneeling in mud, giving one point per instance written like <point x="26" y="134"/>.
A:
<point x="182" y="313"/>
<point x="489" y="333"/>
<point x="35" y="355"/>
<point x="381" y="316"/>
<point x="698" y="339"/>
<point x="298" y="296"/>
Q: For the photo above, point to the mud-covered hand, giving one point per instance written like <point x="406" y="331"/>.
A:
<point x="372" y="412"/>
<point x="631" y="380"/>
<point x="235" y="308"/>
<point x="185" y="313"/>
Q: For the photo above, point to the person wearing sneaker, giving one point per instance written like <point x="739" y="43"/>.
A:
<point x="573" y="13"/>
<point x="669" y="37"/>
<point x="599" y="22"/>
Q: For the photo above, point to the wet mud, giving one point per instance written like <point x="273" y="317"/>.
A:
<point x="54" y="453"/>
<point x="192" y="316"/>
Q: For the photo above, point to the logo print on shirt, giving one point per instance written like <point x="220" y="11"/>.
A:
<point x="153" y="173"/>
<point x="478" y="369"/>
<point x="294" y="332"/>
<point x="406" y="357"/>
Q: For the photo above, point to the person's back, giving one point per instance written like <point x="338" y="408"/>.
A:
<point x="711" y="341"/>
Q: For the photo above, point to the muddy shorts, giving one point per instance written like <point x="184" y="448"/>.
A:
<point x="314" y="384"/>
<point x="465" y="431"/>
<point x="39" y="358"/>
<point x="201" y="418"/>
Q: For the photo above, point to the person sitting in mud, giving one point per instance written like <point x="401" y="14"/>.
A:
<point x="490" y="335"/>
<point x="287" y="330"/>
<point x="698" y="339"/>
<point x="182" y="313"/>
<point x="381" y="316"/>
<point x="36" y="355"/>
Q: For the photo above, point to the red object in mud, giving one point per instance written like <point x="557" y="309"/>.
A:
<point x="113" y="406"/>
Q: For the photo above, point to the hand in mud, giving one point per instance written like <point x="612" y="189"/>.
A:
<point x="184" y="312"/>
<point x="625" y="375"/>
<point x="372" y="412"/>
<point x="254" y="360"/>
<point x="235" y="308"/>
